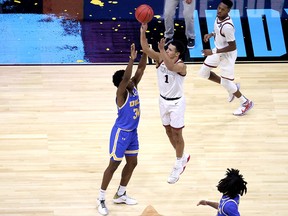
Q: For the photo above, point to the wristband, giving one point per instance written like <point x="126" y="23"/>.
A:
<point x="214" y="51"/>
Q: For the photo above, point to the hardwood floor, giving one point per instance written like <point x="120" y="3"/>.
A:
<point x="54" y="135"/>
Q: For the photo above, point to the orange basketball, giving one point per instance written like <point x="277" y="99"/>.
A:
<point x="144" y="13"/>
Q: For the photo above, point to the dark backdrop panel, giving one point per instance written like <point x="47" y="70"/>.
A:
<point x="94" y="31"/>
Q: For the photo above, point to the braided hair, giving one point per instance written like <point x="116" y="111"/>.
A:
<point x="233" y="184"/>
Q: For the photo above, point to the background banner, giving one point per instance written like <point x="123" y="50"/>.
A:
<point x="95" y="31"/>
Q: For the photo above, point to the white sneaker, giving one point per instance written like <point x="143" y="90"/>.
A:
<point x="124" y="199"/>
<point x="175" y="174"/>
<point x="102" y="209"/>
<point x="244" y="108"/>
<point x="231" y="96"/>
<point x="177" y="171"/>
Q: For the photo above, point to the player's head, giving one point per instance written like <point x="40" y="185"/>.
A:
<point x="228" y="3"/>
<point x="224" y="8"/>
<point x="117" y="77"/>
<point x="178" y="47"/>
<point x="233" y="184"/>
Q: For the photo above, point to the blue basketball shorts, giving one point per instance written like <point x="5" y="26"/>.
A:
<point x="123" y="142"/>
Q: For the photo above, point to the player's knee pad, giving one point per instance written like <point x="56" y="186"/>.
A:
<point x="204" y="72"/>
<point x="229" y="85"/>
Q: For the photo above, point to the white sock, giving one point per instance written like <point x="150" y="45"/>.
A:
<point x="121" y="190"/>
<point x="243" y="99"/>
<point x="180" y="158"/>
<point x="179" y="162"/>
<point x="102" y="194"/>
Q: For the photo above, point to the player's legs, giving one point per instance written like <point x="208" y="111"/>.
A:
<point x="131" y="163"/>
<point x="172" y="115"/>
<point x="165" y="118"/>
<point x="227" y="65"/>
<point x="108" y="173"/>
<point x="230" y="86"/>
<point x="177" y="110"/>
<point x="116" y="154"/>
<point x="119" y="141"/>
<point x="210" y="62"/>
<point x="181" y="158"/>
<point x="121" y="196"/>
<point x="169" y="133"/>
<point x="131" y="154"/>
<point x="234" y="90"/>
<point x="107" y="176"/>
<point x="176" y="139"/>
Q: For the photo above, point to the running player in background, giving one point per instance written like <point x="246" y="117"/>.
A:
<point x="232" y="186"/>
<point x="224" y="55"/>
<point x="171" y="72"/>
<point x="124" y="136"/>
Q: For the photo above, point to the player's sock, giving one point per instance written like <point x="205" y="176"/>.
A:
<point x="121" y="190"/>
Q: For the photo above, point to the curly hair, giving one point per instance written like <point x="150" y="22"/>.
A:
<point x="117" y="77"/>
<point x="233" y="184"/>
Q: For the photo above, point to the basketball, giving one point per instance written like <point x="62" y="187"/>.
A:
<point x="144" y="13"/>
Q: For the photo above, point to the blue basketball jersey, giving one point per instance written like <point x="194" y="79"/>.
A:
<point x="129" y="113"/>
<point x="228" y="206"/>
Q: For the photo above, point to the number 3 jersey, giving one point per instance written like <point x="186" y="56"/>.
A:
<point x="129" y="113"/>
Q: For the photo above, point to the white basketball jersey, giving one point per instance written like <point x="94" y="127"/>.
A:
<point x="224" y="31"/>
<point x="170" y="83"/>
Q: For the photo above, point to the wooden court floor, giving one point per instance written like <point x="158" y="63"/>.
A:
<point x="55" y="127"/>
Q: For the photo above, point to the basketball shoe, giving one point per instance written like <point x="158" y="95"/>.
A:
<point x="244" y="108"/>
<point x="185" y="160"/>
<point x="191" y="43"/>
<point x="124" y="199"/>
<point x="102" y="209"/>
<point x="231" y="95"/>
<point x="178" y="169"/>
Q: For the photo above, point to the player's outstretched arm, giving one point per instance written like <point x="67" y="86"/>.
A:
<point x="209" y="203"/>
<point x="140" y="69"/>
<point x="121" y="90"/>
<point x="145" y="46"/>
